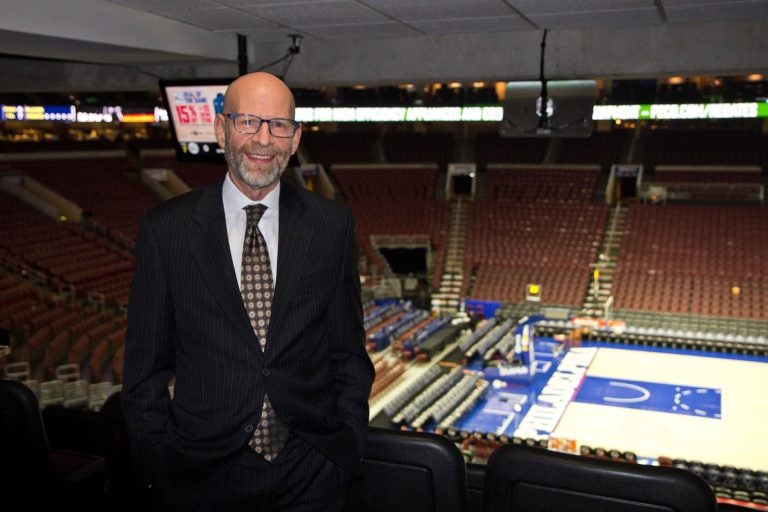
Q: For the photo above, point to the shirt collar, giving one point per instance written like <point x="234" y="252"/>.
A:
<point x="234" y="200"/>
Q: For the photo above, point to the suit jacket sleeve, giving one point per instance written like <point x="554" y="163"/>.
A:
<point x="352" y="368"/>
<point x="150" y="354"/>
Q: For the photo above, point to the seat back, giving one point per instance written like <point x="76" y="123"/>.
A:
<point x="26" y="459"/>
<point x="526" y="479"/>
<point x="410" y="471"/>
<point x="475" y="486"/>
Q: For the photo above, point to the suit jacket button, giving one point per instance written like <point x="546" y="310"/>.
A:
<point x="265" y="372"/>
<point x="248" y="428"/>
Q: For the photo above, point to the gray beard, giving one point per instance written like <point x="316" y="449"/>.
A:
<point x="256" y="180"/>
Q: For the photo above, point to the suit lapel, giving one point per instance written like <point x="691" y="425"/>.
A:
<point x="210" y="251"/>
<point x="293" y="242"/>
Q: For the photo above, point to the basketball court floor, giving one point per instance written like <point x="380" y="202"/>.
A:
<point x="699" y="408"/>
<point x="656" y="403"/>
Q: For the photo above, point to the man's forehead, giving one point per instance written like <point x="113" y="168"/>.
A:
<point x="261" y="97"/>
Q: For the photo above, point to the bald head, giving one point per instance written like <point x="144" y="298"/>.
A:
<point x="256" y="160"/>
<point x="263" y="89"/>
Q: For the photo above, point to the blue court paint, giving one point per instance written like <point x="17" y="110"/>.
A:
<point x="651" y="396"/>
<point x="502" y="410"/>
<point x="501" y="413"/>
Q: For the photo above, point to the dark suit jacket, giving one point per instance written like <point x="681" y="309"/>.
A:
<point x="186" y="320"/>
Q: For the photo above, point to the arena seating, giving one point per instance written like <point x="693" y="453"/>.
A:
<point x="516" y="182"/>
<point x="194" y="174"/>
<point x="387" y="182"/>
<point x="604" y="148"/>
<point x="47" y="332"/>
<point x="537" y="225"/>
<point x="65" y="253"/>
<point x="490" y="148"/>
<point x="704" y="147"/>
<point x="706" y="260"/>
<point x="411" y="147"/>
<point x="106" y="188"/>
<point x="740" y="184"/>
<point x="103" y="354"/>
<point x="394" y="200"/>
<point x="341" y="147"/>
<point x="705" y="174"/>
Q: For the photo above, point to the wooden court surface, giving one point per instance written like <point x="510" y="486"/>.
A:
<point x="739" y="438"/>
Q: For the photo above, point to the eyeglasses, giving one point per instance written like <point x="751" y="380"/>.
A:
<point x="250" y="124"/>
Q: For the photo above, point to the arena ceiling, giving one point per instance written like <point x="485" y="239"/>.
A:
<point x="369" y="40"/>
<point x="271" y="20"/>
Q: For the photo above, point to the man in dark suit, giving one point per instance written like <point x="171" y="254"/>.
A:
<point x="188" y="328"/>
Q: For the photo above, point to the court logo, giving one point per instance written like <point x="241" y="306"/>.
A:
<point x="544" y="415"/>
<point x="651" y="396"/>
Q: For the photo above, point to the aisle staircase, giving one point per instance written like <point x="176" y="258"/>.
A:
<point x="447" y="299"/>
<point x="599" y="297"/>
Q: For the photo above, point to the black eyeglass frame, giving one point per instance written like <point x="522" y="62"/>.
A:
<point x="234" y="115"/>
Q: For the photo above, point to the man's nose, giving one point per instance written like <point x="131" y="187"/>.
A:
<point x="263" y="135"/>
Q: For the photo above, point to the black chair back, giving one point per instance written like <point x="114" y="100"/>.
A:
<point x="475" y="487"/>
<point x="525" y="479"/>
<point x="26" y="460"/>
<point x="410" y="472"/>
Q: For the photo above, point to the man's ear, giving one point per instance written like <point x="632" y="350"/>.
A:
<point x="295" y="140"/>
<point x="219" y="127"/>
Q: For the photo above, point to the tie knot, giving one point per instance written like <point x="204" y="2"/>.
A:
<point x="253" y="213"/>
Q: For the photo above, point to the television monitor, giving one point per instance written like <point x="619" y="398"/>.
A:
<point x="568" y="113"/>
<point x="192" y="106"/>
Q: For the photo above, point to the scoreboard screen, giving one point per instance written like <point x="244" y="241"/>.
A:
<point x="567" y="111"/>
<point x="192" y="107"/>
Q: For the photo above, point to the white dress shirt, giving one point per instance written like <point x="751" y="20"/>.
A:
<point x="234" y="202"/>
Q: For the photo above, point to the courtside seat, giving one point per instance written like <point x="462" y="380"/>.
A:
<point x="410" y="472"/>
<point x="524" y="479"/>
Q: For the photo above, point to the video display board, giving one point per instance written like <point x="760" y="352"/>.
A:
<point x="192" y="107"/>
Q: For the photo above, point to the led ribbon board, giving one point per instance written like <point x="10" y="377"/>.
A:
<point x="685" y="111"/>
